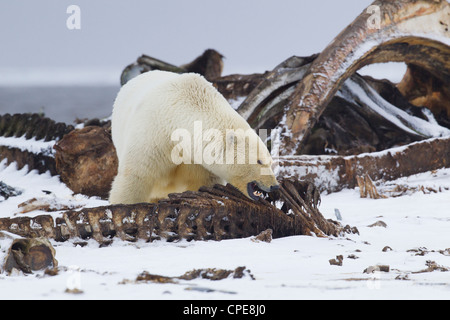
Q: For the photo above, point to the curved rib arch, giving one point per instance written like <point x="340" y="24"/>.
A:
<point x="411" y="31"/>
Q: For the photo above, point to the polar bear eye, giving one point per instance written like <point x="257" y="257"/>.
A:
<point x="259" y="162"/>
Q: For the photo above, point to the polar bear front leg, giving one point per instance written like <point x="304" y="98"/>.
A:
<point x="128" y="188"/>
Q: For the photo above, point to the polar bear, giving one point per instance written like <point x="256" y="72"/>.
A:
<point x="176" y="132"/>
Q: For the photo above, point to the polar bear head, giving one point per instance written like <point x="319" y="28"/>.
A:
<point x="245" y="163"/>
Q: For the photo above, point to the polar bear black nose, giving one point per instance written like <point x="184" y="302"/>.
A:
<point x="274" y="188"/>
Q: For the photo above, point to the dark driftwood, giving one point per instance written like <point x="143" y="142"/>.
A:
<point x="209" y="214"/>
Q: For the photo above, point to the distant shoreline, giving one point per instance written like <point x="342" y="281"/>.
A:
<point x="60" y="103"/>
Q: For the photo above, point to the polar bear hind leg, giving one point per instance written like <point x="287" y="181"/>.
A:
<point x="195" y="176"/>
<point x="182" y="178"/>
<point x="139" y="189"/>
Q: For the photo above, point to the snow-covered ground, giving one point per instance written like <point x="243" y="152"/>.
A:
<point x="417" y="231"/>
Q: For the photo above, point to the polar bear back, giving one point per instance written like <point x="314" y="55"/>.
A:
<point x="156" y="103"/>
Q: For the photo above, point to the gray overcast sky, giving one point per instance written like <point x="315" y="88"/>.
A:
<point x="253" y="35"/>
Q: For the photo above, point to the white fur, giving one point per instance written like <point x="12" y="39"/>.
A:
<point x="147" y="110"/>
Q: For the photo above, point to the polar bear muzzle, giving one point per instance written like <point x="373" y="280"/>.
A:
<point x="256" y="190"/>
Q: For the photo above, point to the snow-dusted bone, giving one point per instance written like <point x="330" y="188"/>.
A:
<point x="283" y="76"/>
<point x="28" y="140"/>
<point x="412" y="31"/>
<point x="209" y="65"/>
<point x="25" y="254"/>
<point x="334" y="173"/>
<point x="86" y="161"/>
<point x="217" y="213"/>
<point x="359" y="92"/>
